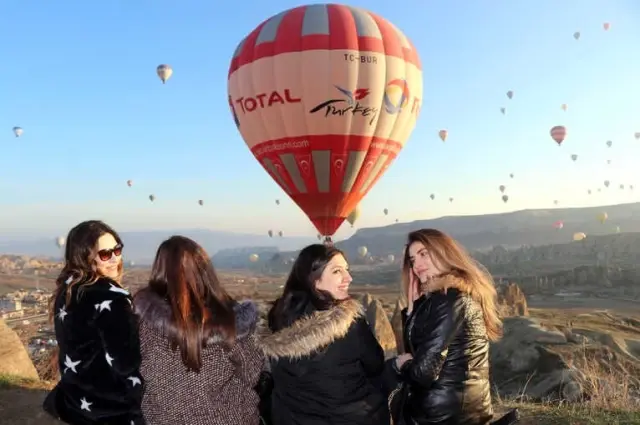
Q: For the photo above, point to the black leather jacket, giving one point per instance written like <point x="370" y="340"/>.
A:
<point x="449" y="373"/>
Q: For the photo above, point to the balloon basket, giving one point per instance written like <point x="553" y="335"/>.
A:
<point x="327" y="241"/>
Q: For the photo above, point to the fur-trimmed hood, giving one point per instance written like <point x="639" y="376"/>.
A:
<point x="155" y="311"/>
<point x="313" y="332"/>
<point x="444" y="283"/>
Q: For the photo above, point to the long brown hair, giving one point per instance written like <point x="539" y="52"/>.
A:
<point x="80" y="253"/>
<point x="183" y="274"/>
<point x="447" y="252"/>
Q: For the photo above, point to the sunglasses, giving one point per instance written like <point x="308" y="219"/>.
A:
<point x="106" y="254"/>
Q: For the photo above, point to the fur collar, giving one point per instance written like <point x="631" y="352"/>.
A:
<point x="312" y="332"/>
<point x="156" y="312"/>
<point x="444" y="283"/>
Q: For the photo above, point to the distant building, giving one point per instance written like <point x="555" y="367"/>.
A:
<point x="10" y="305"/>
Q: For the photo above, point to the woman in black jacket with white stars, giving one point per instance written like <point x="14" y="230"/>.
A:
<point x="97" y="334"/>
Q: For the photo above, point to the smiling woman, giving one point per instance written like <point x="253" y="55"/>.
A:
<point x="97" y="333"/>
<point x="325" y="361"/>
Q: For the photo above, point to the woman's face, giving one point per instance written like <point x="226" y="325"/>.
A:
<point x="422" y="263"/>
<point x="335" y="278"/>
<point x="109" y="256"/>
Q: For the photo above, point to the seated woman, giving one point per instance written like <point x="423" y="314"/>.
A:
<point x="452" y="316"/>
<point x="200" y="360"/>
<point x="325" y="360"/>
<point x="97" y="333"/>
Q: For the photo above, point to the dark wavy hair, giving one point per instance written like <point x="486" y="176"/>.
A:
<point x="182" y="274"/>
<point x="79" y="259"/>
<point x="300" y="293"/>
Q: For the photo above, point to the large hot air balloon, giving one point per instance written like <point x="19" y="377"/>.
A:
<point x="354" y="215"/>
<point x="164" y="72"/>
<point x="443" y="135"/>
<point x="558" y="225"/>
<point x="325" y="134"/>
<point x="558" y="133"/>
<point x="129" y="183"/>
<point x="362" y="251"/>
<point x="18" y="131"/>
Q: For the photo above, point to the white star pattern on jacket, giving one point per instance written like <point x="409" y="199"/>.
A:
<point x="104" y="305"/>
<point x="85" y="405"/>
<point x="109" y="358"/>
<point x="70" y="364"/>
<point x="62" y="313"/>
<point x="114" y="288"/>
<point x="134" y="381"/>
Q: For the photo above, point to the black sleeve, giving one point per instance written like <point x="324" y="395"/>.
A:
<point x="441" y="322"/>
<point x="371" y="353"/>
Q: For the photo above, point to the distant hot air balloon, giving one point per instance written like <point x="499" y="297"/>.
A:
<point x="270" y="233"/>
<point x="609" y="143"/>
<point x="443" y="135"/>
<point x="60" y="241"/>
<point x="602" y="217"/>
<point x="132" y="263"/>
<point x="385" y="211"/>
<point x="354" y="215"/>
<point x="18" y="131"/>
<point x="277" y="201"/>
<point x="621" y="186"/>
<point x="503" y="110"/>
<point x="254" y="258"/>
<point x="281" y="233"/>
<point x="391" y="258"/>
<point x="510" y="94"/>
<point x="555" y="202"/>
<point x="323" y="136"/>
<point x="362" y="251"/>
<point x="201" y="202"/>
<point x="589" y="191"/>
<point x="432" y="196"/>
<point x="637" y="135"/>
<point x="511" y="175"/>
<point x="606" y="26"/>
<point x="502" y="188"/>
<point x="617" y="229"/>
<point x="630" y="187"/>
<point x="450" y="199"/>
<point x="164" y="72"/>
<point x="129" y="183"/>
<point x="558" y="133"/>
<point x="606" y="183"/>
<point x="152" y="198"/>
<point x="319" y="236"/>
<point x="608" y="162"/>
<point x="579" y="236"/>
<point x="574" y="157"/>
<point x="564" y="107"/>
<point x="558" y="225"/>
<point x="505" y="198"/>
<point x="576" y="35"/>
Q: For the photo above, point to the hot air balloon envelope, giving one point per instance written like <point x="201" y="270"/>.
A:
<point x="354" y="215"/>
<point x="325" y="133"/>
<point x="558" y="133"/>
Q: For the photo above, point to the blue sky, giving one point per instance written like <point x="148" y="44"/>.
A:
<point x="79" y="77"/>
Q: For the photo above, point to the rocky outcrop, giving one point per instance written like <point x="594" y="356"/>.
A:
<point x="381" y="327"/>
<point x="396" y="324"/>
<point x="512" y="301"/>
<point x="14" y="359"/>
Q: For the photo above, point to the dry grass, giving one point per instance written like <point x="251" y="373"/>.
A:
<point x="11" y="381"/>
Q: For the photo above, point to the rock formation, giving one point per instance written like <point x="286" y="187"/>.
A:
<point x="512" y="301"/>
<point x="14" y="359"/>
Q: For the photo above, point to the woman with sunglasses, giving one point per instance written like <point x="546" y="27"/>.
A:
<point x="97" y="333"/>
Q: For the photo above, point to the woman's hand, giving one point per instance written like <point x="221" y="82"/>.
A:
<point x="402" y="359"/>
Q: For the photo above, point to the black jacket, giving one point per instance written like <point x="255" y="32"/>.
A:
<point x="99" y="357"/>
<point x="449" y="373"/>
<point x="326" y="370"/>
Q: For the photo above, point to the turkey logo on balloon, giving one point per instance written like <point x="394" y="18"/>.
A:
<point x="336" y="85"/>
